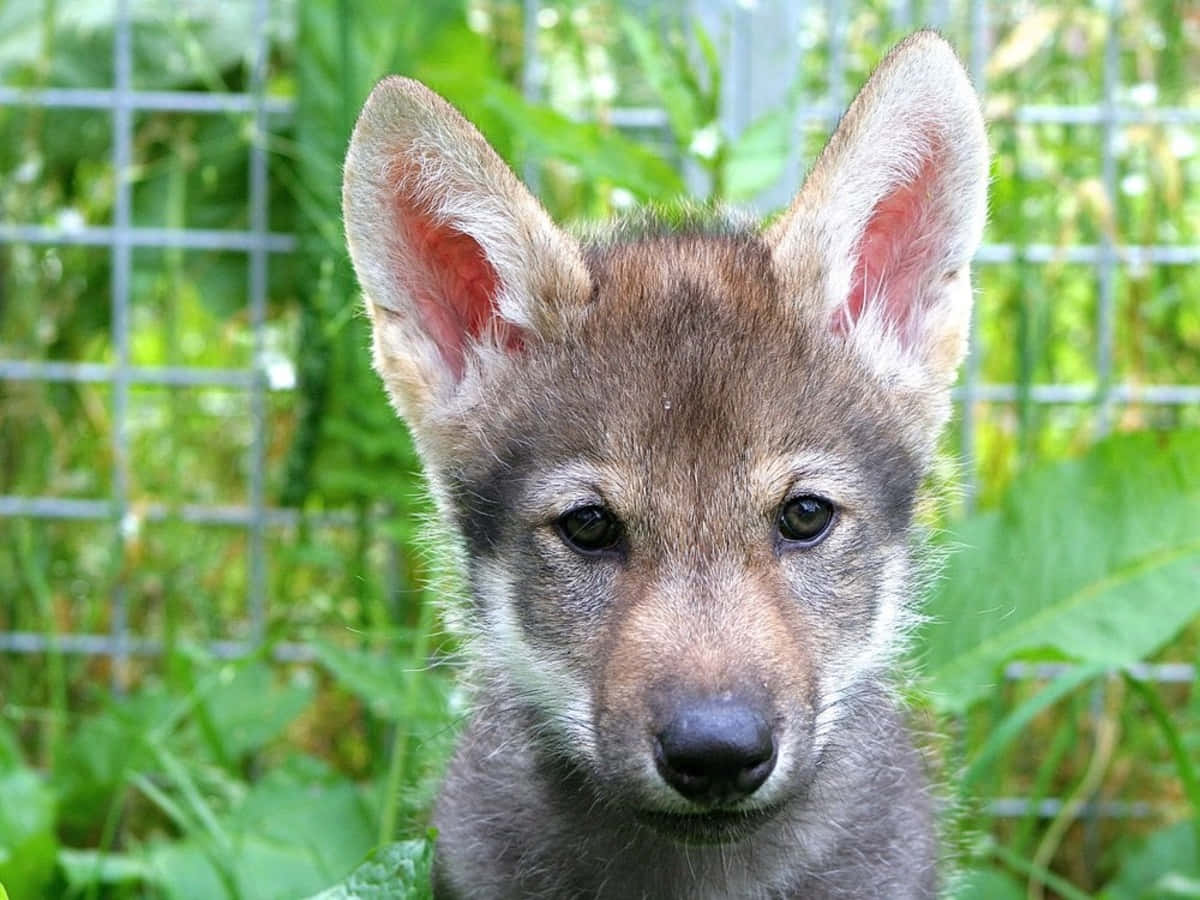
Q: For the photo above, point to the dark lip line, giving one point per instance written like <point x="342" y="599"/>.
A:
<point x="711" y="821"/>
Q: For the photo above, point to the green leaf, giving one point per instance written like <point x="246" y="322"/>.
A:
<point x="756" y="159"/>
<point x="1165" y="866"/>
<point x="377" y="679"/>
<point x="598" y="153"/>
<point x="1094" y="560"/>
<point x="987" y="884"/>
<point x="185" y="871"/>
<point x="299" y="828"/>
<point x="102" y="750"/>
<point x="83" y="868"/>
<point x="27" y="841"/>
<point x="307" y="815"/>
<point x="662" y="70"/>
<point x="399" y="871"/>
<point x="382" y="681"/>
<point x="250" y="708"/>
<point x="456" y="64"/>
<point x="10" y="750"/>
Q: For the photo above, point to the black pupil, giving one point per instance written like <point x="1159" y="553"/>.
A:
<point x="590" y="528"/>
<point x="804" y="518"/>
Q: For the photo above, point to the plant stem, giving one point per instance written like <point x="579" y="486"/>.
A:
<point x="398" y="764"/>
<point x="1179" y="754"/>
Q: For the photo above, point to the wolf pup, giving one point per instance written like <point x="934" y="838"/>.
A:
<point x="683" y="467"/>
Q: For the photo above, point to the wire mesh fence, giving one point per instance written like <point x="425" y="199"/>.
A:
<point x="758" y="50"/>
<point x="121" y="238"/>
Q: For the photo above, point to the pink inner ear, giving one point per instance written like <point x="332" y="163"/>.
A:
<point x="456" y="288"/>
<point x="896" y="255"/>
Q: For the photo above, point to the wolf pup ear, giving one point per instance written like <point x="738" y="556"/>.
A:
<point x="454" y="255"/>
<point x="892" y="213"/>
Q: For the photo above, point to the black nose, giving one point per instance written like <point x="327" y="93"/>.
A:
<point x="715" y="750"/>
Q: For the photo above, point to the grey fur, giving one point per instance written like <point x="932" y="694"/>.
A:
<point x="690" y="382"/>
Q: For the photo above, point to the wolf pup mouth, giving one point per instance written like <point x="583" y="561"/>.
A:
<point x="717" y="826"/>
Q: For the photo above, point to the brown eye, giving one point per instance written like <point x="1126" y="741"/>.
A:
<point x="590" y="529"/>
<point x="805" y="520"/>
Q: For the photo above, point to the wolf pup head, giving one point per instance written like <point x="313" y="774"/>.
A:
<point x="683" y="465"/>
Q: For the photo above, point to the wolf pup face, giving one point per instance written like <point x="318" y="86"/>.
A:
<point x="683" y="468"/>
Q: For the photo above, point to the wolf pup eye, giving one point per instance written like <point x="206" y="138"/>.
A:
<point x="590" y="529"/>
<point x="805" y="520"/>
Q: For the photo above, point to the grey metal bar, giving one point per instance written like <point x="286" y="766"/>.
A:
<point x="636" y="117"/>
<point x="1037" y="113"/>
<point x="531" y="78"/>
<point x="194" y="101"/>
<point x="256" y="539"/>
<point x="835" y="76"/>
<point x="12" y="505"/>
<point x="1066" y="394"/>
<point x="164" y="101"/>
<point x="99" y="644"/>
<point x="195" y="239"/>
<point x="1106" y="264"/>
<point x="1161" y="673"/>
<point x="179" y="376"/>
<point x="1091" y="254"/>
<point x="939" y="15"/>
<point x="54" y="507"/>
<point x="793" y="173"/>
<point x="122" y="257"/>
<point x="1019" y="807"/>
<point x="237" y="378"/>
<point x="103" y="645"/>
<point x="531" y="81"/>
<point x="738" y="81"/>
<point x="977" y="59"/>
<point x="1100" y="113"/>
<point x="640" y="117"/>
<point x="91" y="373"/>
<point x="1106" y="272"/>
<point x="183" y="238"/>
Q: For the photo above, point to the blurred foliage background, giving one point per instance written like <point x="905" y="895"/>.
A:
<point x="186" y="774"/>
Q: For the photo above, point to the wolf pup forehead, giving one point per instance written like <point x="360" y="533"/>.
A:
<point x="682" y="466"/>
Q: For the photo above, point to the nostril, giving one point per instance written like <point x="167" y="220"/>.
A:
<point x="750" y="779"/>
<point x="715" y="751"/>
